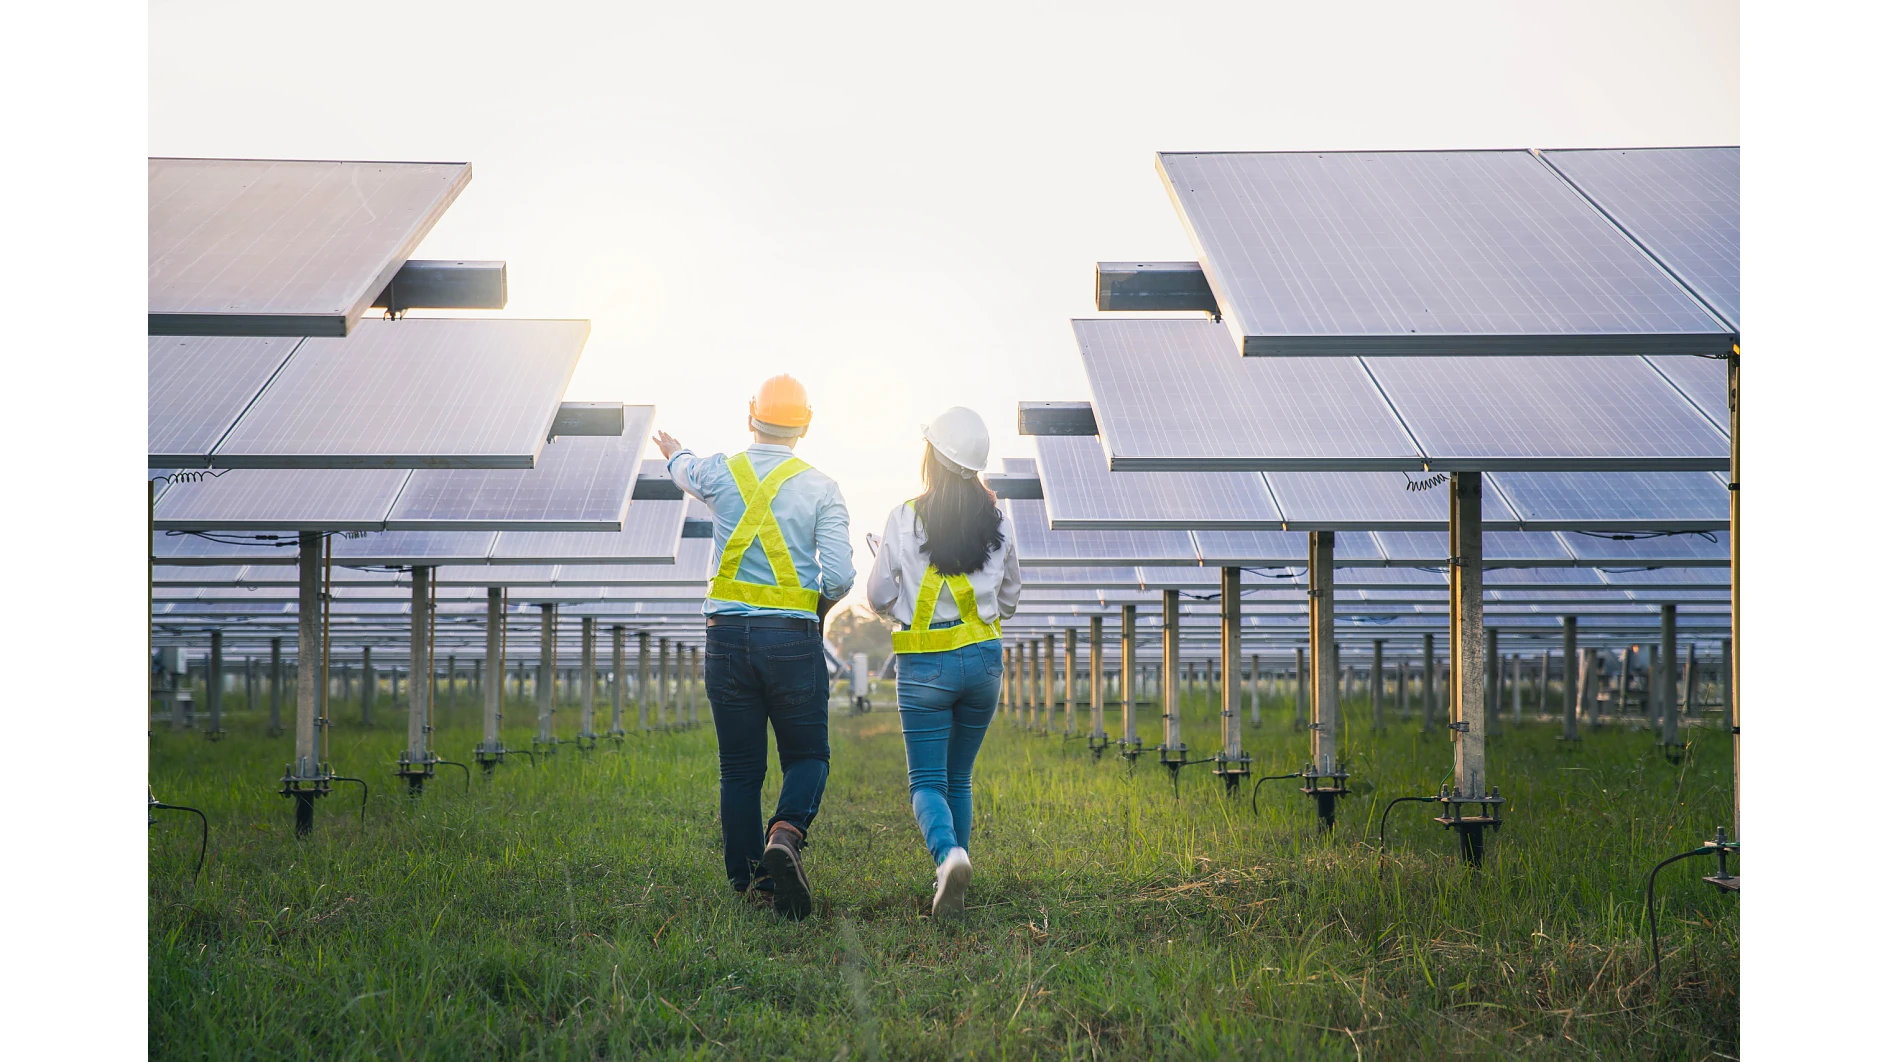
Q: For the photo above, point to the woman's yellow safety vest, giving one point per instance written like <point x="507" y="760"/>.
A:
<point x="758" y="523"/>
<point x="922" y="639"/>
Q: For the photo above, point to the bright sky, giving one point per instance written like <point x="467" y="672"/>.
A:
<point x="903" y="208"/>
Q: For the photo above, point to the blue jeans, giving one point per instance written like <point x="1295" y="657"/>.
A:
<point x="945" y="702"/>
<point x="756" y="676"/>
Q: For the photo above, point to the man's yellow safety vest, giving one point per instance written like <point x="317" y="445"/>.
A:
<point x="922" y="639"/>
<point x="758" y="523"/>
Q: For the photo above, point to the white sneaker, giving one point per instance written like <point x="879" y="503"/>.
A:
<point x="953" y="879"/>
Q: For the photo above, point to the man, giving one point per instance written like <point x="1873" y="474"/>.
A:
<point x="786" y="558"/>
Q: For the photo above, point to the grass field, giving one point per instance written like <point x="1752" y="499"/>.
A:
<point x="578" y="910"/>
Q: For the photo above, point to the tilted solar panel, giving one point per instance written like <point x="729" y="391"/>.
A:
<point x="651" y="534"/>
<point x="1174" y="395"/>
<point x="1037" y="544"/>
<point x="1623" y="500"/>
<point x="1704" y="381"/>
<point x="1421" y="252"/>
<point x="292" y="499"/>
<point x="278" y="247"/>
<point x="196" y="387"/>
<point x="1080" y="493"/>
<point x="580" y="483"/>
<point x="1681" y="204"/>
<point x="416" y="393"/>
<point x="1577" y="414"/>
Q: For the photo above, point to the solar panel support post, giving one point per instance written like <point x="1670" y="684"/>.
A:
<point x="1668" y="675"/>
<point x="1376" y="684"/>
<point x="587" y="704"/>
<point x="1048" y="685"/>
<point x="642" y="681"/>
<point x="546" y="739"/>
<point x="370" y="685"/>
<point x="1402" y="689"/>
<point x="662" y="684"/>
<point x="1233" y="763"/>
<point x="1468" y="693"/>
<point x="491" y="751"/>
<point x="306" y="777"/>
<point x="1068" y="684"/>
<point x="1325" y="779"/>
<point x="1097" y="689"/>
<point x="618" y="673"/>
<point x="1172" y="750"/>
<point x="275" y="686"/>
<point x="1540" y="693"/>
<point x="416" y="761"/>
<point x="213" y="687"/>
<point x="1569" y="693"/>
<point x="1130" y="693"/>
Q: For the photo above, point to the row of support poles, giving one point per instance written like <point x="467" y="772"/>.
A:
<point x="1467" y="692"/>
<point x="491" y="750"/>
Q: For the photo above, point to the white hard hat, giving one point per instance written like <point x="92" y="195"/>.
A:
<point x="959" y="437"/>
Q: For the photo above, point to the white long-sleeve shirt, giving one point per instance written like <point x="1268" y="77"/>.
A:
<point x="898" y="572"/>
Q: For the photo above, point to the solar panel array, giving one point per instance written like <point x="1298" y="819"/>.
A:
<point x="319" y="240"/>
<point x="1422" y="252"/>
<point x="580" y="482"/>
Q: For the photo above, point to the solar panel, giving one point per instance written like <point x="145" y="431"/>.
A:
<point x="1080" y="493"/>
<point x="651" y="534"/>
<point x="1681" y="204"/>
<point x="1705" y="381"/>
<point x="1037" y="544"/>
<point x="1089" y="578"/>
<point x="416" y="393"/>
<point x="581" y="483"/>
<point x="297" y="499"/>
<point x="181" y="548"/>
<point x="1173" y="395"/>
<point x="1691" y="578"/>
<point x="1369" y="501"/>
<point x="1421" y="252"/>
<point x="276" y="247"/>
<point x="197" y="386"/>
<point x="1494" y="413"/>
<point x="416" y="548"/>
<point x="1506" y="548"/>
<point x="1594" y="501"/>
<point x="496" y="575"/>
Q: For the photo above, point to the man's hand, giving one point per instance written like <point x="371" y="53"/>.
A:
<point x="825" y="605"/>
<point x="667" y="443"/>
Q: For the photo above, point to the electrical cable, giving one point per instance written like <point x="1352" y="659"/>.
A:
<point x="1640" y="536"/>
<point x="362" y="784"/>
<point x="1426" y="482"/>
<point x="1384" y="822"/>
<point x="1651" y="914"/>
<point x="203" y="847"/>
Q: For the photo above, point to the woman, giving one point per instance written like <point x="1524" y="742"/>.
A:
<point x="947" y="573"/>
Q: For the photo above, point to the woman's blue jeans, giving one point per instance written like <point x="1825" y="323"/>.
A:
<point x="945" y="703"/>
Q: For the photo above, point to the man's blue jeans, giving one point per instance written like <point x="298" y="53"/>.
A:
<point x="756" y="676"/>
<point x="945" y="702"/>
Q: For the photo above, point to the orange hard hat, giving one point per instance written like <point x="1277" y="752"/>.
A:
<point x="781" y="401"/>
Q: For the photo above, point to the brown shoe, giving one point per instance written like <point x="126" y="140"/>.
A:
<point x="793" y="897"/>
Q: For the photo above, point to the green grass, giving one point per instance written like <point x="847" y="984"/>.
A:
<point x="578" y="910"/>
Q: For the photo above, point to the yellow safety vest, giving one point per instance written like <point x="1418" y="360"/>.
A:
<point x="922" y="639"/>
<point x="758" y="523"/>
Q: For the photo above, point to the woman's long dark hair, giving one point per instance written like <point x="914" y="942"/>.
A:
<point x="959" y="517"/>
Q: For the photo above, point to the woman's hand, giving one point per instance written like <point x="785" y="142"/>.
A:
<point x="667" y="443"/>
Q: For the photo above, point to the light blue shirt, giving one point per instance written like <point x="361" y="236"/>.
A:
<point x="809" y="509"/>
